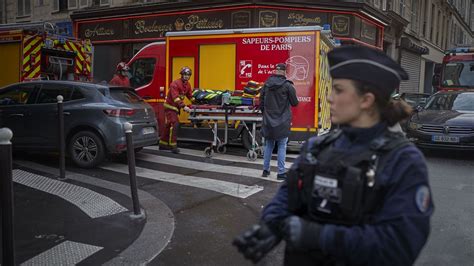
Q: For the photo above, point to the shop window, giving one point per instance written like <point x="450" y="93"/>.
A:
<point x="142" y="72"/>
<point x="24" y="8"/>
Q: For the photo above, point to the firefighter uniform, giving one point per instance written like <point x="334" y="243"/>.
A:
<point x="119" y="80"/>
<point x="173" y="104"/>
<point x="121" y="76"/>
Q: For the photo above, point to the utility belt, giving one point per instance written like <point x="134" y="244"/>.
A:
<point x="329" y="186"/>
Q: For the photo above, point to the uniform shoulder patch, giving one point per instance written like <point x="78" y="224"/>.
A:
<point x="422" y="198"/>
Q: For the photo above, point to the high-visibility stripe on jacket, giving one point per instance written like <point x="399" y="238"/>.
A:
<point x="176" y="93"/>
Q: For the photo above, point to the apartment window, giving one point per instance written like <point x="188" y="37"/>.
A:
<point x="424" y="17"/>
<point x="432" y="22"/>
<point x="55" y="5"/>
<point x="24" y="7"/>
<point x="377" y="3"/>
<point x="72" y="4"/>
<point x="402" y="8"/>
<point x="384" y="5"/>
<point x="414" y="16"/>
<point x="439" y="28"/>
<point x="104" y="2"/>
<point x="83" y="3"/>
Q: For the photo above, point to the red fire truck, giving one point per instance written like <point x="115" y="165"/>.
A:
<point x="456" y="71"/>
<point x="227" y="60"/>
<point x="40" y="55"/>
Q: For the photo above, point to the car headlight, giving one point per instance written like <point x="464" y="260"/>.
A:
<point x="414" y="126"/>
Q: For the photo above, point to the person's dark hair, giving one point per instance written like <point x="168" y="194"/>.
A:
<point x="391" y="110"/>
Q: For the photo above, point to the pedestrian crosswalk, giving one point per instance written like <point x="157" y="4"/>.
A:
<point x="224" y="187"/>
<point x="65" y="253"/>
<point x="237" y="176"/>
<point x="227" y="157"/>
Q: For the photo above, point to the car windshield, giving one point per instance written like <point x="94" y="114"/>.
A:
<point x="125" y="95"/>
<point x="459" y="74"/>
<point x="451" y="101"/>
<point x="415" y="99"/>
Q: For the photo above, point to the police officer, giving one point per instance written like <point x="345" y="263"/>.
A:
<point x="358" y="195"/>
<point x="179" y="89"/>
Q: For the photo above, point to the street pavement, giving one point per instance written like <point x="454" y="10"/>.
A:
<point x="191" y="208"/>
<point x="88" y="218"/>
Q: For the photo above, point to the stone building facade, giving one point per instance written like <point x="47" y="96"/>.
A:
<point x="414" y="32"/>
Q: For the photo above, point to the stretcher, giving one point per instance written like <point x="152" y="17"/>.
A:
<point x="248" y="116"/>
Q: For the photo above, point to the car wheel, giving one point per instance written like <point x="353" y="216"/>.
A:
<point x="86" y="149"/>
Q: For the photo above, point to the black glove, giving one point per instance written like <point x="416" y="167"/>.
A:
<point x="301" y="234"/>
<point x="256" y="242"/>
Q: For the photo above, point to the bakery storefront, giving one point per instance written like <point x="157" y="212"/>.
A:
<point x="118" y="37"/>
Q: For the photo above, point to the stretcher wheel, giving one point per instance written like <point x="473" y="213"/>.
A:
<point x="208" y="152"/>
<point x="221" y="149"/>
<point x="251" y="156"/>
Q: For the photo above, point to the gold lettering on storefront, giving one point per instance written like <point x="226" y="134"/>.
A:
<point x="301" y="20"/>
<point x="98" y="31"/>
<point x="195" y="22"/>
<point x="141" y="27"/>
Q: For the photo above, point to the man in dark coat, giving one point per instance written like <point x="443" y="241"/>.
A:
<point x="276" y="98"/>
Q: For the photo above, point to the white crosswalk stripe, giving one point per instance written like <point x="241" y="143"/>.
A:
<point x="227" y="157"/>
<point x="224" y="187"/>
<point x="225" y="169"/>
<point x="66" y="253"/>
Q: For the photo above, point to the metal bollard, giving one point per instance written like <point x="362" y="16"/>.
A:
<point x="6" y="184"/>
<point x="131" y="168"/>
<point x="62" y="142"/>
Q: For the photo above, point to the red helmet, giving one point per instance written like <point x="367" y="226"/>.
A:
<point x="122" y="67"/>
<point x="186" y="70"/>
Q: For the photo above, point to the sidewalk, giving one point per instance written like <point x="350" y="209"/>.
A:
<point x="83" y="220"/>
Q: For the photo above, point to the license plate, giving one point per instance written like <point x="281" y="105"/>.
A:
<point x="148" y="130"/>
<point x="451" y="139"/>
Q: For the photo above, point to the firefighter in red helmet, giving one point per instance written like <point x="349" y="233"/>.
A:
<point x="178" y="89"/>
<point x="121" y="76"/>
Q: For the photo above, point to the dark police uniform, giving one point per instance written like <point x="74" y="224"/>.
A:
<point x="355" y="196"/>
<point x="391" y="232"/>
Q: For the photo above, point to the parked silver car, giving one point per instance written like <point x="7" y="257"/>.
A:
<point x="93" y="118"/>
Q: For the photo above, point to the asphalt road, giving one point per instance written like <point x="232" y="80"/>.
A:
<point x="223" y="196"/>
<point x="451" y="240"/>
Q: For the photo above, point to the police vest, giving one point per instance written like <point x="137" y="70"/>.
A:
<point x="329" y="186"/>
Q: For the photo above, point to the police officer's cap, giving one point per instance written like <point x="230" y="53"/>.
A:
<point x="367" y="65"/>
<point x="280" y="66"/>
